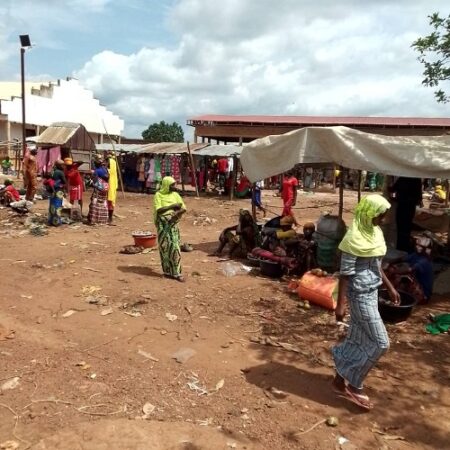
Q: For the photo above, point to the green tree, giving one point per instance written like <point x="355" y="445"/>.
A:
<point x="164" y="132"/>
<point x="434" y="54"/>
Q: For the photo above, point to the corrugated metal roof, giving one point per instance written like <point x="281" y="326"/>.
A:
<point x="321" y="120"/>
<point x="219" y="151"/>
<point x="174" y="148"/>
<point x="58" y="133"/>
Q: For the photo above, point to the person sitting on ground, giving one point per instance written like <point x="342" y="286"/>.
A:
<point x="307" y="248"/>
<point x="439" y="195"/>
<point x="277" y="236"/>
<point x="243" y="189"/>
<point x="6" y="165"/>
<point x="243" y="237"/>
<point x="414" y="272"/>
<point x="9" y="193"/>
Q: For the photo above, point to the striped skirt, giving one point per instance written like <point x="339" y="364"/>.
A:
<point x="366" y="341"/>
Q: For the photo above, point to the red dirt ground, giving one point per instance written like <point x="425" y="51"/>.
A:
<point x="81" y="376"/>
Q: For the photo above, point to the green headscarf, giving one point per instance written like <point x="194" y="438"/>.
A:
<point x="165" y="197"/>
<point x="165" y="185"/>
<point x="363" y="238"/>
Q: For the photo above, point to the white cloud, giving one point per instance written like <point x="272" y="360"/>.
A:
<point x="350" y="57"/>
<point x="265" y="57"/>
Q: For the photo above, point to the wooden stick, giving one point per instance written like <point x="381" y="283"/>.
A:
<point x="359" y="185"/>
<point x="253" y="188"/>
<point x="341" y="191"/>
<point x="194" y="175"/>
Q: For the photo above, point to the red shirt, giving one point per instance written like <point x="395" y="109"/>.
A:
<point x="14" y="193"/>
<point x="222" y="165"/>
<point x="74" y="177"/>
<point x="289" y="184"/>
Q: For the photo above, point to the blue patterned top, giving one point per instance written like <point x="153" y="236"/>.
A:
<point x="364" y="273"/>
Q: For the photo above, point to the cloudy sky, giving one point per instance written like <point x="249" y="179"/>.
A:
<point x="152" y="60"/>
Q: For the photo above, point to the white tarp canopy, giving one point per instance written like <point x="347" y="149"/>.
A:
<point x="409" y="156"/>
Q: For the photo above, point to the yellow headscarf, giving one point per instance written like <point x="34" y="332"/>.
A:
<point x="363" y="239"/>
<point x="165" y="197"/>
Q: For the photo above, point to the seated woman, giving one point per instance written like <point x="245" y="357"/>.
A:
<point x="9" y="193"/>
<point x="414" y="272"/>
<point x="439" y="195"/>
<point x="278" y="233"/>
<point x="244" y="187"/>
<point x="279" y="243"/>
<point x="241" y="238"/>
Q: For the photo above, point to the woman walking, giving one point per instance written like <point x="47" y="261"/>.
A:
<point x="168" y="207"/>
<point x="360" y="277"/>
<point x="98" y="208"/>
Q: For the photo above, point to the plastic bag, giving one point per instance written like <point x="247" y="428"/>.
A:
<point x="230" y="269"/>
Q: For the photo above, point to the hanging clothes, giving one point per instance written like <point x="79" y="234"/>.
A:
<point x="230" y="165"/>
<point x="45" y="159"/>
<point x="141" y="169"/>
<point x="175" y="162"/>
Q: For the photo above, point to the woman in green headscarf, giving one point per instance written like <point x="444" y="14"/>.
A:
<point x="168" y="207"/>
<point x="361" y="275"/>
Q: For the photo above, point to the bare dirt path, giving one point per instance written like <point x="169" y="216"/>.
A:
<point x="83" y="368"/>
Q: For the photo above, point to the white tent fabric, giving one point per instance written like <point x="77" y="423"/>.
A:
<point x="409" y="156"/>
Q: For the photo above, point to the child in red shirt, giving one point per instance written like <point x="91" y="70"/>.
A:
<point x="10" y="193"/>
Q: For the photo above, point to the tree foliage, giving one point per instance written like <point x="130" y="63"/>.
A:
<point x="434" y="54"/>
<point x="163" y="132"/>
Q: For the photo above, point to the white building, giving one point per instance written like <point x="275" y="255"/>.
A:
<point x="45" y="103"/>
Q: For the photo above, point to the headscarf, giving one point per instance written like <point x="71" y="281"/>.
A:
<point x="245" y="213"/>
<point x="68" y="161"/>
<point x="363" y="238"/>
<point x="165" y="185"/>
<point x="165" y="197"/>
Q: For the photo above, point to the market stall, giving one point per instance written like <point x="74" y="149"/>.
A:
<point x="144" y="165"/>
<point x="406" y="156"/>
<point x="64" y="140"/>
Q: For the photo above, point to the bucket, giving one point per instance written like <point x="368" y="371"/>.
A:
<point x="144" y="239"/>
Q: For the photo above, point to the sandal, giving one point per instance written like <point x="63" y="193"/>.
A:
<point x="361" y="400"/>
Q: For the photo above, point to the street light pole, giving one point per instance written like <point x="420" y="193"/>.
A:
<point x="24" y="44"/>
<point x="22" y="78"/>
